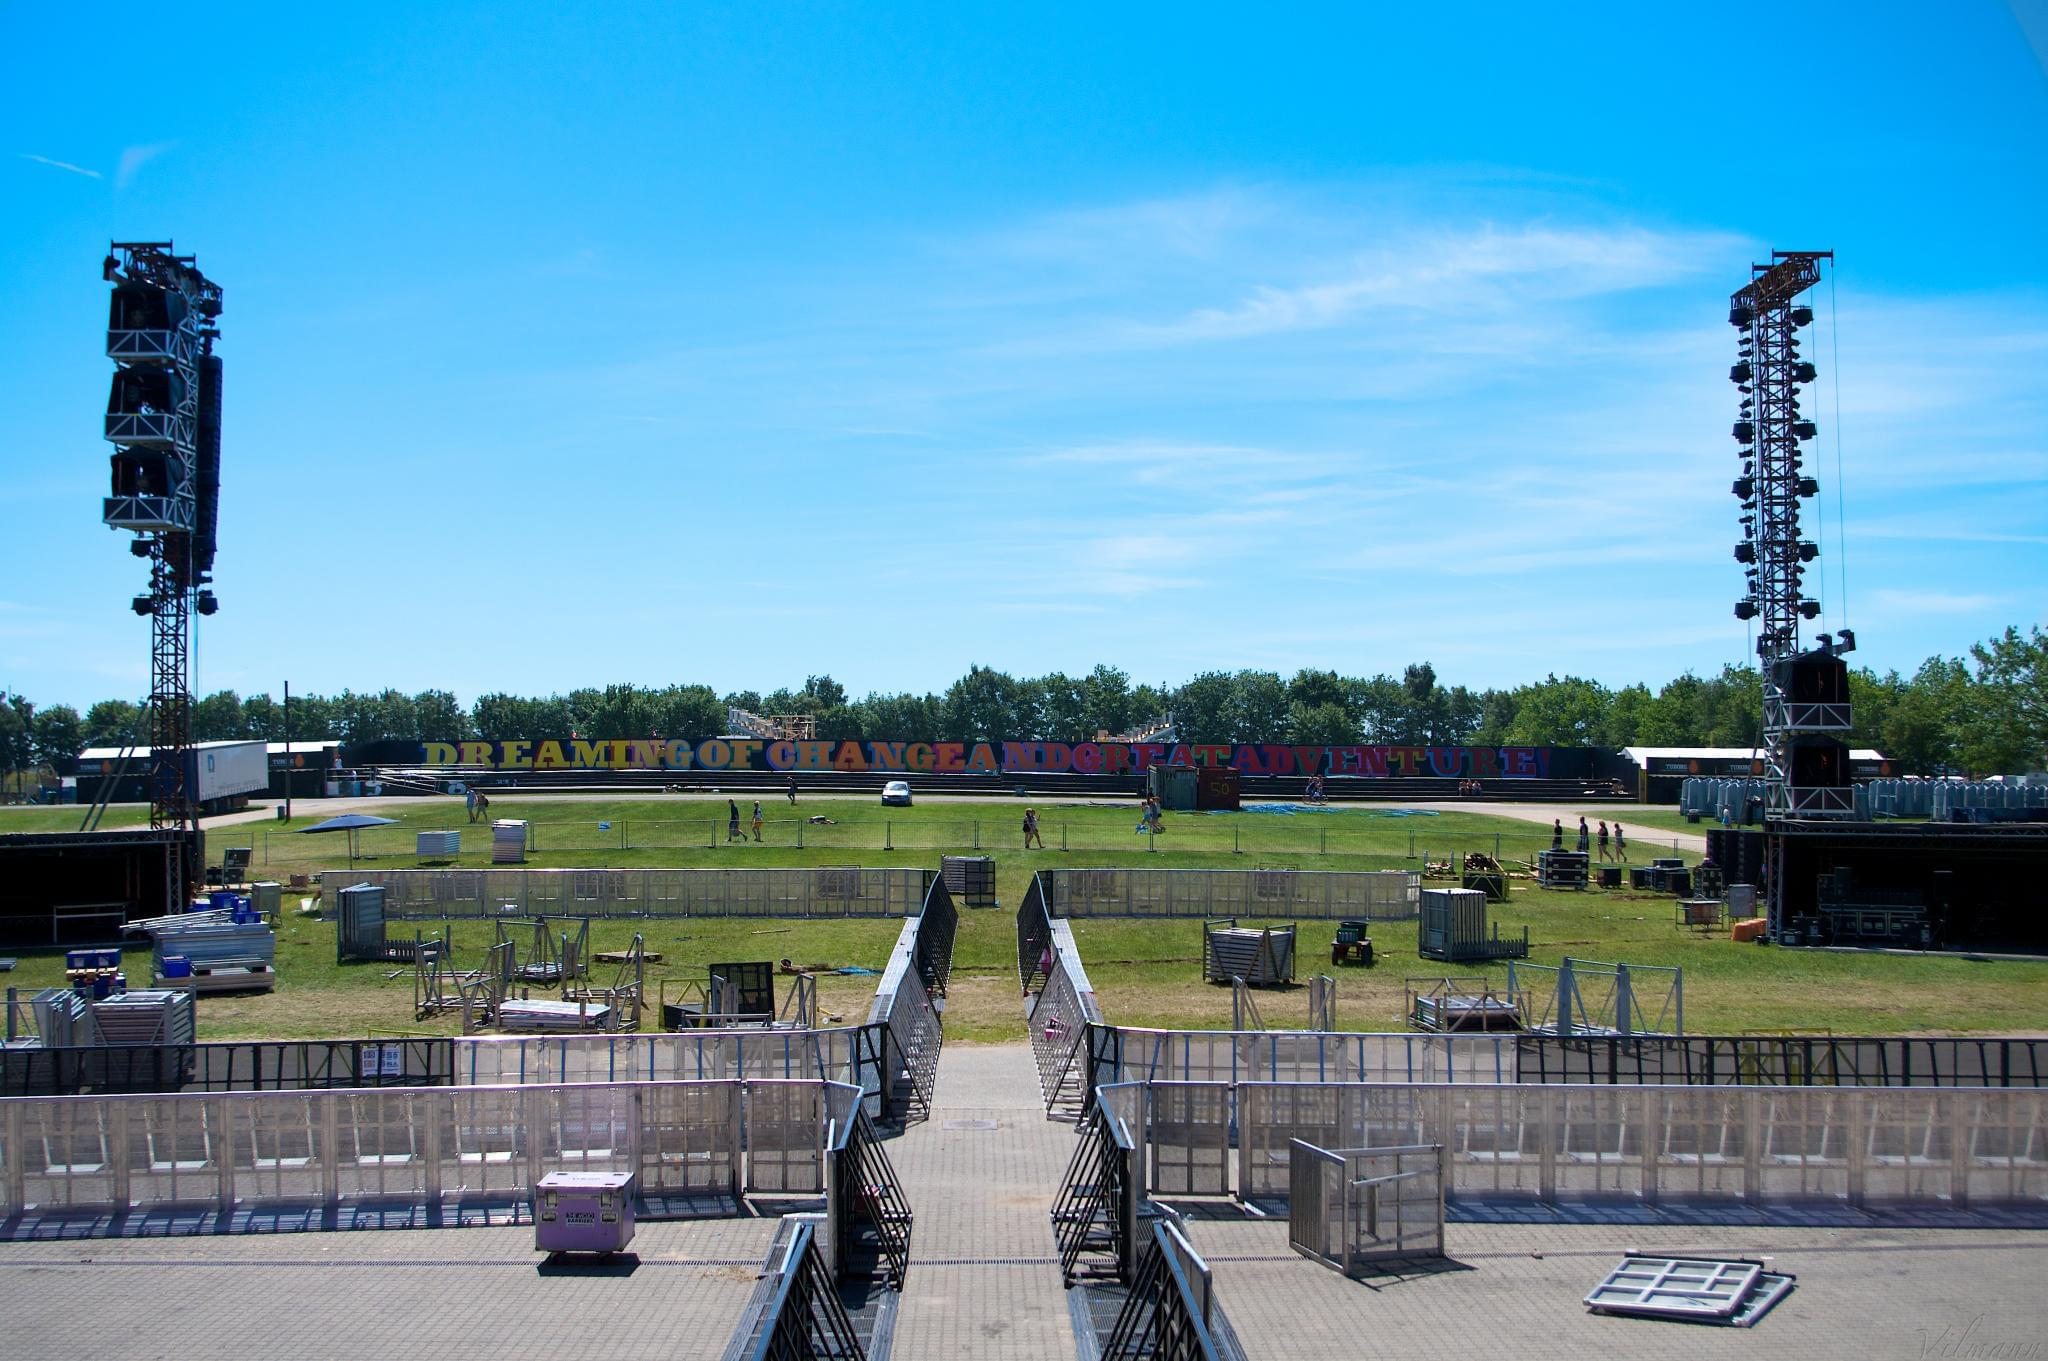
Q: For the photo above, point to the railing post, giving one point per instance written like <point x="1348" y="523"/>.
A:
<point x="223" y="1115"/>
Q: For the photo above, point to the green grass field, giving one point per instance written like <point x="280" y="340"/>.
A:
<point x="1146" y="972"/>
<point x="18" y="818"/>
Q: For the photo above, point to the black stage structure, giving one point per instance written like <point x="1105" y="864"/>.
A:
<point x="163" y="419"/>
<point x="1827" y="879"/>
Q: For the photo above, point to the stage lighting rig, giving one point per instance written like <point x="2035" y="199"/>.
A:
<point x="163" y="419"/>
<point x="1805" y="694"/>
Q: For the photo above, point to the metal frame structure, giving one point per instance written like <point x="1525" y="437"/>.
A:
<point x="172" y="355"/>
<point x="1772" y="430"/>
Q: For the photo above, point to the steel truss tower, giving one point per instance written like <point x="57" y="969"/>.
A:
<point x="1805" y="692"/>
<point x="163" y="418"/>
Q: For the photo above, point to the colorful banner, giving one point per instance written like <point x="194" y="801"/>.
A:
<point x="993" y="758"/>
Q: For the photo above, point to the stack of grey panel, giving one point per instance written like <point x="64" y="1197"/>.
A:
<point x="146" y="1016"/>
<point x="508" y="843"/>
<point x="221" y="955"/>
<point x="971" y="879"/>
<point x="438" y="843"/>
<point x="1258" y="956"/>
<point x="552" y="1017"/>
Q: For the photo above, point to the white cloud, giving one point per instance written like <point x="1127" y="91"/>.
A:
<point x="134" y="158"/>
<point x="60" y="165"/>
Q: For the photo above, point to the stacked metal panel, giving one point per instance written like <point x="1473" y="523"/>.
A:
<point x="970" y="878"/>
<point x="551" y="1017"/>
<point x="1258" y="955"/>
<point x="220" y="954"/>
<point x="163" y="1016"/>
<point x="1454" y="928"/>
<point x="439" y="843"/>
<point x="508" y="843"/>
<point x="267" y="896"/>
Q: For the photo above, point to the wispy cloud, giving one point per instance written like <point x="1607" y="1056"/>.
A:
<point x="60" y="165"/>
<point x="134" y="158"/>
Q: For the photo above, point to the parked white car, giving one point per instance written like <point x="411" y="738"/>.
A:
<point x="896" y="792"/>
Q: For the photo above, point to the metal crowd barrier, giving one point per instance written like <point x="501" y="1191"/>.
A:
<point x="431" y="1146"/>
<point x="856" y="1055"/>
<point x="1950" y="1146"/>
<point x="1126" y="1054"/>
<point x="1351" y="1208"/>
<point x="815" y="892"/>
<point x="1382" y="895"/>
<point x="799" y="1314"/>
<point x="1059" y="1019"/>
<point x="1168" y="1315"/>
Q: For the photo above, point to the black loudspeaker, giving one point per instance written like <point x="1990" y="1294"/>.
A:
<point x="1739" y="852"/>
<point x="206" y="475"/>
<point x="1813" y="678"/>
<point x="1819" y="763"/>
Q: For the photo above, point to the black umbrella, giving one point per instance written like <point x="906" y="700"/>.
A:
<point x="350" y="823"/>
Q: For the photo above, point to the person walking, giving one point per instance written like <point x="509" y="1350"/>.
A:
<point x="1603" y="840"/>
<point x="792" y="789"/>
<point x="1557" y="834"/>
<point x="1620" y="844"/>
<point x="483" y="806"/>
<point x="1031" y="834"/>
<point x="732" y="821"/>
<point x="1585" y="836"/>
<point x="469" y="800"/>
<point x="757" y="826"/>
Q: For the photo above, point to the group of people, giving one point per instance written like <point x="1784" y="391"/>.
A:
<point x="1315" y="792"/>
<point x="1470" y="789"/>
<point x="1619" y="842"/>
<point x="1149" y="816"/>
<point x="478" y="804"/>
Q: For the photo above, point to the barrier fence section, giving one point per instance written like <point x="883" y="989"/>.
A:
<point x="1058" y="1019"/>
<point x="850" y="1054"/>
<point x="1127" y="1054"/>
<point x="1169" y="1313"/>
<point x="1381" y="895"/>
<point x="919" y="965"/>
<point x="431" y="1146"/>
<point x="1350" y="1208"/>
<point x="802" y="1316"/>
<point x="1784" y="1060"/>
<point x="1950" y="1146"/>
<point x="421" y="894"/>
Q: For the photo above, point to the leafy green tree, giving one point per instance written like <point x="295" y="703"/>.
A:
<point x="56" y="736"/>
<point x="440" y="717"/>
<point x="1320" y="725"/>
<point x="1919" y="731"/>
<point x="1201" y="707"/>
<point x="1106" y="704"/>
<point x="1561" y="713"/>
<point x="218" y="718"/>
<point x="2008" y="729"/>
<point x="982" y="706"/>
<point x="1258" y="709"/>
<point x="1313" y="689"/>
<point x="114" y="723"/>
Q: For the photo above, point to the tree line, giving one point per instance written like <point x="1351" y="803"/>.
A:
<point x="1981" y="715"/>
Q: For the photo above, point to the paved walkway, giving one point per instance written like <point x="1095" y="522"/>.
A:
<point x="405" y="1293"/>
<point x="1520" y="1290"/>
<point x="981" y="1174"/>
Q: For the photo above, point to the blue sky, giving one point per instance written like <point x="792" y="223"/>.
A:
<point x="578" y="344"/>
